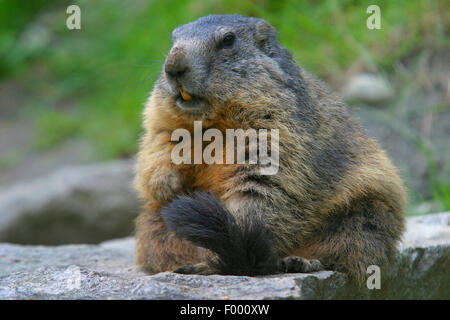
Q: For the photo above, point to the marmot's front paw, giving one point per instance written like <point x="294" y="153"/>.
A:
<point x="165" y="185"/>
<point x="296" y="264"/>
<point x="199" y="268"/>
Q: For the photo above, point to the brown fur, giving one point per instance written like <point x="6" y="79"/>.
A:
<point x="347" y="219"/>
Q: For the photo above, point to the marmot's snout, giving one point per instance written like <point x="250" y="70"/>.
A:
<point x="183" y="79"/>
<point x="176" y="65"/>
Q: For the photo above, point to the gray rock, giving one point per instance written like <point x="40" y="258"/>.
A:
<point x="368" y="88"/>
<point x="427" y="231"/>
<point x="76" y="204"/>
<point x="106" y="271"/>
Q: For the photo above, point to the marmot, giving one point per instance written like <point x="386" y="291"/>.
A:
<point x="335" y="203"/>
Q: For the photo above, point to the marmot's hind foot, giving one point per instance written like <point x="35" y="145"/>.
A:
<point x="294" y="264"/>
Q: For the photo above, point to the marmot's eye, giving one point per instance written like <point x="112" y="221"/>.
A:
<point x="228" y="40"/>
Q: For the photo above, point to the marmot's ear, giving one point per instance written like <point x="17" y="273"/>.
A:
<point x="265" y="35"/>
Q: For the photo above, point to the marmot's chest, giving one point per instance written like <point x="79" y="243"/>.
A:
<point x="216" y="178"/>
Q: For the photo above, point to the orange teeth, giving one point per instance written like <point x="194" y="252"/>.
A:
<point x="186" y="96"/>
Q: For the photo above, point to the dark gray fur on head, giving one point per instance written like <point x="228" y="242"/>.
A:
<point x="214" y="74"/>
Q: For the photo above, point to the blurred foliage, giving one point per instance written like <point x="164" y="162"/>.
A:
<point x="14" y="17"/>
<point x="94" y="82"/>
<point x="440" y="189"/>
<point x="59" y="127"/>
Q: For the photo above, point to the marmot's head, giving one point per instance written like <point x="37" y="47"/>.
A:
<point x="224" y="59"/>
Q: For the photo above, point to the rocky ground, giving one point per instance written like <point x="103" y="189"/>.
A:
<point x="106" y="271"/>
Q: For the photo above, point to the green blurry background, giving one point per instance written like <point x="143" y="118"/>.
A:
<point x="91" y="84"/>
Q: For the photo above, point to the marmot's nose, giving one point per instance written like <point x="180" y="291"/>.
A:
<point x="175" y="71"/>
<point x="176" y="66"/>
